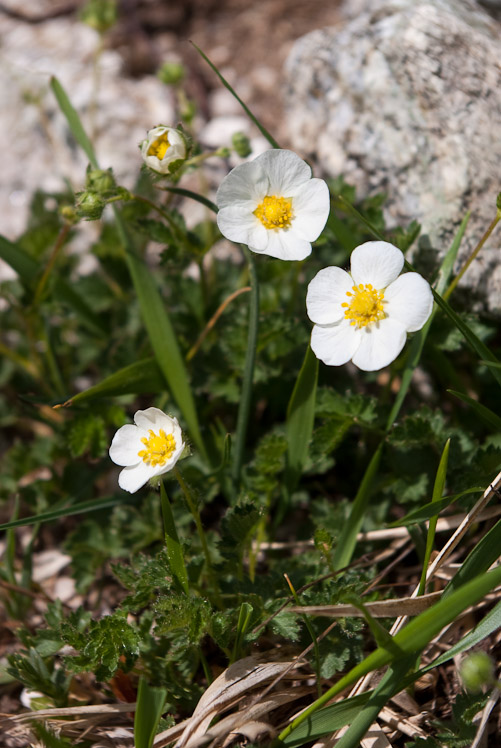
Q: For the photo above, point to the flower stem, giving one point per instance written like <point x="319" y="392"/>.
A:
<point x="201" y="534"/>
<point x="245" y="397"/>
<point x="475" y="252"/>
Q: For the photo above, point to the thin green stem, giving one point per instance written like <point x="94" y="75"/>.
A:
<point x="245" y="397"/>
<point x="193" y="196"/>
<point x="475" y="252"/>
<point x="201" y="534"/>
<point x="52" y="259"/>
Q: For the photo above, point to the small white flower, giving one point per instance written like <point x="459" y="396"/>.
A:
<point x="162" y="148"/>
<point x="150" y="448"/>
<point x="273" y="205"/>
<point x="365" y="315"/>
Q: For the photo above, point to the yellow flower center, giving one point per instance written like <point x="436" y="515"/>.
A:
<point x="159" y="448"/>
<point x="275" y="212"/>
<point x="159" y="147"/>
<point x="365" y="305"/>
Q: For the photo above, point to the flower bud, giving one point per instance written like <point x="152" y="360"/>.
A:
<point x="164" y="149"/>
<point x="89" y="205"/>
<point x="223" y="152"/>
<point x="101" y="181"/>
<point x="171" y="73"/>
<point x="68" y="214"/>
<point x="100" y="15"/>
<point x="241" y="144"/>
<point x="477" y="670"/>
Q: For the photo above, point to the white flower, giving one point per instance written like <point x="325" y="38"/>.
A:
<point x="150" y="448"/>
<point x="365" y="315"/>
<point x="163" y="147"/>
<point x="273" y="205"/>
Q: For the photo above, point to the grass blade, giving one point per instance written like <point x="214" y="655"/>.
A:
<point x="485" y="414"/>
<point x="300" y="418"/>
<point x="423" y="513"/>
<point x="438" y="489"/>
<point x="150" y="703"/>
<point x="24" y="265"/>
<point x="139" y="378"/>
<point x="74" y="122"/>
<point x="250" y="356"/>
<point x="413" y="638"/>
<point x="83" y="507"/>
<point x="485" y="553"/>
<point x="348" y="538"/>
<point x="271" y="140"/>
<point x="173" y="544"/>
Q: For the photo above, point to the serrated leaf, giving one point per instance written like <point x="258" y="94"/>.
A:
<point x="236" y="526"/>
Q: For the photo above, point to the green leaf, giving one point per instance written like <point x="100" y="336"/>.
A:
<point x="423" y="513"/>
<point x="413" y="638"/>
<point x="271" y="140"/>
<point x="73" y="121"/>
<point x="83" y="507"/>
<point x="348" y="538"/>
<point x="150" y="703"/>
<point x="24" y="265"/>
<point x="300" y="418"/>
<point x="485" y="414"/>
<point x="137" y="378"/>
<point x="485" y="553"/>
<point x="438" y="489"/>
<point x="172" y="543"/>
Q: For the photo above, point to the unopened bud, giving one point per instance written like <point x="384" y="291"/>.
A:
<point x="241" y="144"/>
<point x="100" y="15"/>
<point x="171" y="73"/>
<point x="223" y="152"/>
<point x="68" y="214"/>
<point x="101" y="181"/>
<point x="89" y="205"/>
<point x="477" y="670"/>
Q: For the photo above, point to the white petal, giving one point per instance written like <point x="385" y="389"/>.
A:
<point x="378" y="263"/>
<point x="285" y="245"/>
<point x="132" y="478"/>
<point x="326" y="292"/>
<point x="239" y="224"/>
<point x="380" y="344"/>
<point x="409" y="300"/>
<point x="335" y="344"/>
<point x="311" y="207"/>
<point x="285" y="170"/>
<point x="245" y="182"/>
<point x="125" y="445"/>
<point x="147" y="419"/>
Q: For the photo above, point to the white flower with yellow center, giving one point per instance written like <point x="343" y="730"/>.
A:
<point x="163" y="149"/>
<point x="150" y="448"/>
<point x="273" y="205"/>
<point x="365" y="315"/>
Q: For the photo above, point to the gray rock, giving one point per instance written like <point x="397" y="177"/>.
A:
<point x="405" y="98"/>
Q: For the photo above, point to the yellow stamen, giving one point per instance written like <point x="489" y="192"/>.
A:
<point x="159" y="448"/>
<point x="275" y="212"/>
<point x="365" y="305"/>
<point x="159" y="147"/>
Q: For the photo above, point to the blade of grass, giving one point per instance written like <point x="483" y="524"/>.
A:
<point x="138" y="378"/>
<point x="173" y="544"/>
<point x="413" y="638"/>
<point x="271" y="140"/>
<point x="348" y="538"/>
<point x="438" y="489"/>
<point x="83" y="507"/>
<point x="150" y="703"/>
<point x="300" y="418"/>
<point x="485" y="414"/>
<point x="250" y="357"/>
<point x="244" y="617"/>
<point x="389" y="683"/>
<point x="423" y="513"/>
<point x="485" y="553"/>
<point x="74" y="122"/>
<point x="336" y="716"/>
<point x="24" y="265"/>
<point x="193" y="196"/>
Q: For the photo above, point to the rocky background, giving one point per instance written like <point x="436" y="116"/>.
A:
<point x="400" y="96"/>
